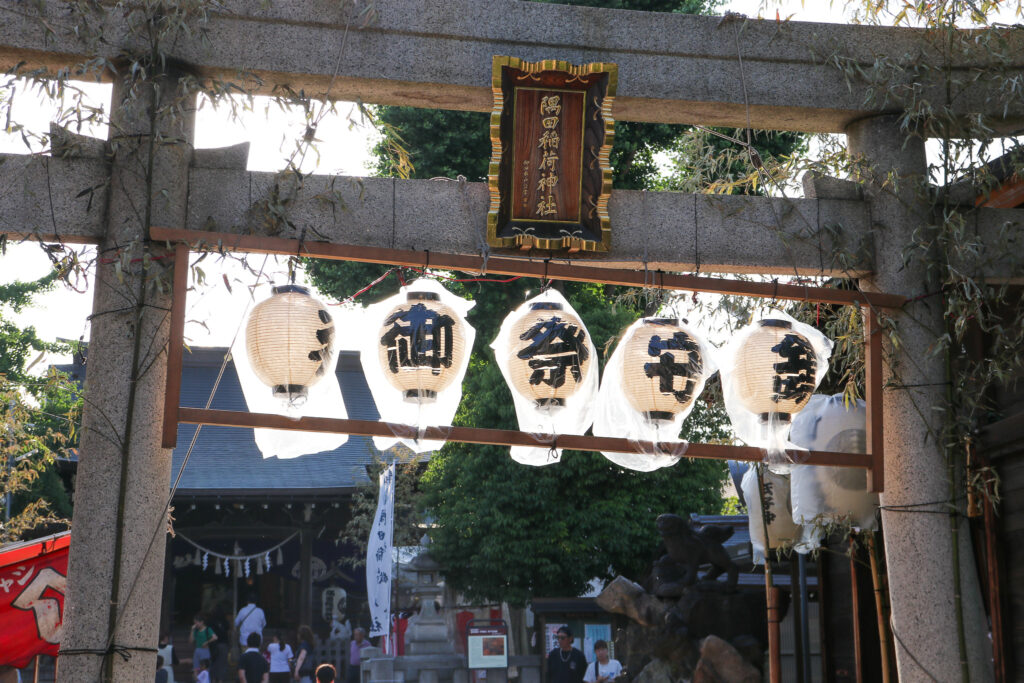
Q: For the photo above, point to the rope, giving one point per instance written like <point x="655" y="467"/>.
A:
<point x="253" y="556"/>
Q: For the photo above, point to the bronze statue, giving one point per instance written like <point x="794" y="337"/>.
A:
<point x="688" y="548"/>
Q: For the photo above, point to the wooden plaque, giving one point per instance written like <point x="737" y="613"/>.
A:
<point x="551" y="134"/>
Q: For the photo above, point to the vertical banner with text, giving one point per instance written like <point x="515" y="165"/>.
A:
<point x="378" y="556"/>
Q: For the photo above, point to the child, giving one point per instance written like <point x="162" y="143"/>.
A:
<point x="204" y="671"/>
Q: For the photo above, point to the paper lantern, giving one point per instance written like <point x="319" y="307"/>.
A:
<point x="422" y="343"/>
<point x="775" y="370"/>
<point x="549" y="356"/>
<point x="662" y="369"/>
<point x="289" y="341"/>
<point x="832" y="495"/>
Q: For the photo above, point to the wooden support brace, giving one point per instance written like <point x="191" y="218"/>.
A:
<point x="537" y="267"/>
<point x="499" y="437"/>
<point x="175" y="344"/>
<point x="873" y="396"/>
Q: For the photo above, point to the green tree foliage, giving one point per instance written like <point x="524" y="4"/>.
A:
<point x="702" y="161"/>
<point x="37" y="419"/>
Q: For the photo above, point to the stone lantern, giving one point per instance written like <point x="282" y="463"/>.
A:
<point x="428" y="631"/>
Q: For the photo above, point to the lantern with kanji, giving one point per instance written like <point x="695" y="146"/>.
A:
<point x="775" y="370"/>
<point x="289" y="341"/>
<point x="662" y="370"/>
<point x="421" y="344"/>
<point x="548" y="355"/>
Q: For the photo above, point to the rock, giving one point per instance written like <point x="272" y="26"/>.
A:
<point x="750" y="649"/>
<point x="657" y="671"/>
<point x="622" y="596"/>
<point x="720" y="662"/>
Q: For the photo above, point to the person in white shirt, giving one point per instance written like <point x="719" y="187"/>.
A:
<point x="603" y="669"/>
<point x="250" y="619"/>
<point x="280" y="659"/>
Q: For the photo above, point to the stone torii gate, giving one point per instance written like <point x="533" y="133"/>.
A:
<point x="437" y="53"/>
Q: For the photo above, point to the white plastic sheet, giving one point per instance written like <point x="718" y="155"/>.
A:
<point x="324" y="400"/>
<point x="782" y="531"/>
<point x="832" y="495"/>
<point x="649" y="387"/>
<point x="565" y="355"/>
<point x="391" y="403"/>
<point x="776" y="379"/>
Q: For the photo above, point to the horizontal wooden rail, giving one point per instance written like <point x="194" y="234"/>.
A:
<point x="547" y="268"/>
<point x="500" y="437"/>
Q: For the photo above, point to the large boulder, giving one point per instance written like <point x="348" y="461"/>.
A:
<point x="720" y="662"/>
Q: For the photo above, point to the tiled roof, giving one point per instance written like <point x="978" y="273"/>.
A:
<point x="226" y="461"/>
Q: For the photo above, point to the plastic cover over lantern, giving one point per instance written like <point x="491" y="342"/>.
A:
<point x="832" y="495"/>
<point x="415" y="348"/>
<point x="769" y="370"/>
<point x="285" y="359"/>
<point x="649" y="387"/>
<point x="781" y="530"/>
<point x="550" y="364"/>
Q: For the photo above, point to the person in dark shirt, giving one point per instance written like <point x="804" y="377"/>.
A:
<point x="566" y="664"/>
<point x="252" y="665"/>
<point x="325" y="673"/>
<point x="161" y="673"/>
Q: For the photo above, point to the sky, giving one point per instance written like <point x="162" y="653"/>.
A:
<point x="345" y="147"/>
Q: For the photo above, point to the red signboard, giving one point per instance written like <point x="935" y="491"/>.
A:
<point x="33" y="577"/>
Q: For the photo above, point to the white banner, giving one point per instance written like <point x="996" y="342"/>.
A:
<point x="378" y="556"/>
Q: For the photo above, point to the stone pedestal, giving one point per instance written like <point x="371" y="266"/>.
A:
<point x="918" y="542"/>
<point x="117" y="537"/>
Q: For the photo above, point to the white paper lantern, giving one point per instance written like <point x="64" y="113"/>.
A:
<point x="549" y="355"/>
<point x="289" y="342"/>
<point x="832" y="495"/>
<point x="421" y="346"/>
<point x="769" y="370"/>
<point x="775" y="370"/>
<point x="662" y="370"/>
<point x="649" y="387"/>
<point x="548" y="360"/>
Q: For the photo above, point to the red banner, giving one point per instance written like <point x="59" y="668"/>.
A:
<point x="33" y="576"/>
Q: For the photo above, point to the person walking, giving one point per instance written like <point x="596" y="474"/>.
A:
<point x="202" y="636"/>
<point x="252" y="665"/>
<point x="602" y="669"/>
<point x="280" y="658"/>
<point x="166" y="650"/>
<point x="566" y="664"/>
<point x="250" y="619"/>
<point x="304" y="658"/>
<point x="355" y="656"/>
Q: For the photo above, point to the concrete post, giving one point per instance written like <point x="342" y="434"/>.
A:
<point x="918" y="542"/>
<point x="117" y="540"/>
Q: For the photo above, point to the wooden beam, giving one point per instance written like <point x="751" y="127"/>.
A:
<point x="499" y="437"/>
<point x="175" y="347"/>
<point x="539" y="268"/>
<point x="873" y="398"/>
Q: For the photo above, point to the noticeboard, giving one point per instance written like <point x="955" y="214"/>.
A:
<point x="487" y="644"/>
<point x="551" y="134"/>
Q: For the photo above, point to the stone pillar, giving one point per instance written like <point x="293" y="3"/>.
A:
<point x="116" y="563"/>
<point x="918" y="543"/>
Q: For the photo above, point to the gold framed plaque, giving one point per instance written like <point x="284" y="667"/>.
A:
<point x="551" y="134"/>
